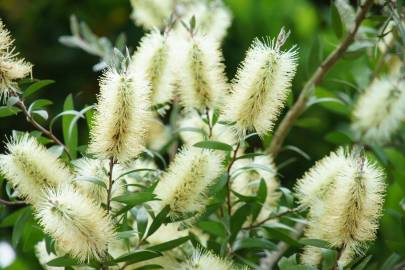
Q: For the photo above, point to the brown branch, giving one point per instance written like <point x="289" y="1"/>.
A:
<point x="228" y="181"/>
<point x="207" y="114"/>
<point x="110" y="184"/>
<point x="300" y="105"/>
<point x="278" y="215"/>
<point x="11" y="203"/>
<point x="20" y="104"/>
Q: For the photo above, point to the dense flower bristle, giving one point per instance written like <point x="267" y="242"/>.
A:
<point x="380" y="110"/>
<point x="153" y="57"/>
<point x="151" y="13"/>
<point x="346" y="215"/>
<point x="31" y="168"/>
<point x="185" y="184"/>
<point x="200" y="72"/>
<point x="12" y="68"/>
<point x="122" y="118"/>
<point x="321" y="178"/>
<point x="261" y="87"/>
<point x="213" y="18"/>
<point x="205" y="261"/>
<point x="79" y="226"/>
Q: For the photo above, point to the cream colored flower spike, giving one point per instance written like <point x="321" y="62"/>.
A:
<point x="79" y="226"/>
<point x="12" y="68"/>
<point x="261" y="87"/>
<point x="153" y="57"/>
<point x="200" y="72"/>
<point x="347" y="209"/>
<point x="31" y="168"/>
<point x="380" y="110"/>
<point x="185" y="184"/>
<point x="122" y="116"/>
<point x="151" y="13"/>
<point x="205" y="261"/>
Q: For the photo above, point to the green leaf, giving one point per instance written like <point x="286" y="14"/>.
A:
<point x="363" y="263"/>
<point x="141" y="221"/>
<point x="92" y="179"/>
<point x="19" y="226"/>
<point x="36" y="87"/>
<point x="219" y="184"/>
<point x="254" y="243"/>
<point x="238" y="219"/>
<point x="336" y="21"/>
<point x="279" y="232"/>
<point x="314" y="242"/>
<point x="39" y="103"/>
<point x="169" y="244"/>
<point x="157" y="222"/>
<point x="56" y="150"/>
<point x="11" y="219"/>
<point x="391" y="261"/>
<point x="126" y="234"/>
<point x="338" y="138"/>
<point x="215" y="145"/>
<point x="42" y="113"/>
<point x="72" y="140"/>
<point x="291" y="264"/>
<point x="135" y="198"/>
<point x="215" y="228"/>
<point x="149" y="267"/>
<point x="63" y="261"/>
<point x="137" y="256"/>
<point x="8" y="111"/>
<point x="329" y="258"/>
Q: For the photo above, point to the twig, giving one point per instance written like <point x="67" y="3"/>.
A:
<point x="278" y="215"/>
<point x="11" y="203"/>
<point x="300" y="105"/>
<point x="110" y="183"/>
<point x="20" y="104"/>
<point x="207" y="114"/>
<point x="228" y="181"/>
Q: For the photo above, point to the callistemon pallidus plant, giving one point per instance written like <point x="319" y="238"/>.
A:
<point x="181" y="169"/>
<point x="380" y="110"/>
<point x="12" y="68"/>
<point x="122" y="116"/>
<point x="78" y="225"/>
<point x="201" y="78"/>
<point x="261" y="86"/>
<point x="31" y="168"/>
<point x="345" y="209"/>
<point x="155" y="58"/>
<point x="184" y="187"/>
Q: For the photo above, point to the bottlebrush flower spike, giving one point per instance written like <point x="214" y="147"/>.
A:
<point x="11" y="67"/>
<point x="348" y="218"/>
<point x="213" y="18"/>
<point x="44" y="257"/>
<point x="321" y="179"/>
<point x="151" y="13"/>
<point x="122" y="116"/>
<point x="31" y="168"/>
<point x="185" y="184"/>
<point x="261" y="86"/>
<point x="205" y="261"/>
<point x="380" y="110"/>
<point x="79" y="226"/>
<point x="87" y="168"/>
<point x="201" y="74"/>
<point x="153" y="58"/>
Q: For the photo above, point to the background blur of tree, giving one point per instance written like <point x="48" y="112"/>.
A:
<point x="37" y="25"/>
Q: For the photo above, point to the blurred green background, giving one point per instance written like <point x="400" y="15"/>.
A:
<point x="37" y="25"/>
